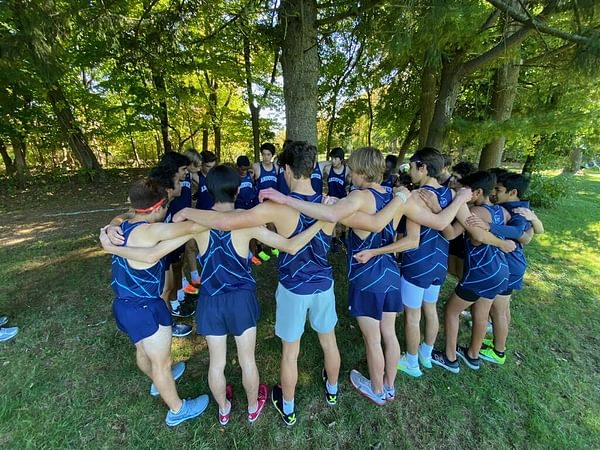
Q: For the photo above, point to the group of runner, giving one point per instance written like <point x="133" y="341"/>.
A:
<point x="399" y="244"/>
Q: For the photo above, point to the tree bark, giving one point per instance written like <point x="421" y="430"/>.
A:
<point x="8" y="163"/>
<point x="428" y="94"/>
<point x="505" y="90"/>
<point x="205" y="139"/>
<point x="134" y="150"/>
<point x="411" y="135"/>
<point x="254" y="109"/>
<point x="574" y="161"/>
<point x="20" y="150"/>
<point x="70" y="129"/>
<point x="300" y="65"/>
<point x="163" y="112"/>
<point x="370" y="105"/>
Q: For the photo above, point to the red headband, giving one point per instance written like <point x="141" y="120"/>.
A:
<point x="157" y="205"/>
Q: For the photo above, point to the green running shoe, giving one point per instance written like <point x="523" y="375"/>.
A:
<point x="489" y="354"/>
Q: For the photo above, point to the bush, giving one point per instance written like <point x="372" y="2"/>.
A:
<point x="548" y="192"/>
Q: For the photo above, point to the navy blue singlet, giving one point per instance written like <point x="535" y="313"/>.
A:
<point x="316" y="180"/>
<point x="204" y="200"/>
<point x="223" y="270"/>
<point x="336" y="183"/>
<point x="267" y="178"/>
<point x="132" y="284"/>
<point x="308" y="271"/>
<point x="380" y="274"/>
<point x="246" y="197"/>
<point x="282" y="185"/>
<point x="185" y="199"/>
<point x="428" y="263"/>
<point x="485" y="269"/>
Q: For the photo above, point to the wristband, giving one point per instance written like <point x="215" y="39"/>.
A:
<point x="402" y="196"/>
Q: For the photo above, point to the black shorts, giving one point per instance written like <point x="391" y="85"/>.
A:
<point x="466" y="294"/>
<point x="457" y="247"/>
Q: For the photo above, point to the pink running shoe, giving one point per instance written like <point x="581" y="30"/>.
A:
<point x="224" y="418"/>
<point x="263" y="395"/>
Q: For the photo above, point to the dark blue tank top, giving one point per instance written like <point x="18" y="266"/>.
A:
<point x="380" y="274"/>
<point x="316" y="180"/>
<point x="282" y="185"/>
<point x="485" y="269"/>
<point x="389" y="182"/>
<point x="223" y="270"/>
<point x="267" y="178"/>
<point x="517" y="264"/>
<point x="308" y="271"/>
<point x="336" y="183"/>
<point x="132" y="284"/>
<point x="428" y="263"/>
<point x="246" y="197"/>
<point x="185" y="199"/>
<point x="204" y="200"/>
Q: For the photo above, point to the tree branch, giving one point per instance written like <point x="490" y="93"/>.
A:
<point x="352" y="11"/>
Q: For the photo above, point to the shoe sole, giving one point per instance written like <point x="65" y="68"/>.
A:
<point x="410" y="374"/>
<point x="443" y="366"/>
<point x="183" y="316"/>
<point x="178" y="422"/>
<point x="490" y="360"/>
<point x="365" y="395"/>
<point x="182" y="335"/>
<point x="467" y="362"/>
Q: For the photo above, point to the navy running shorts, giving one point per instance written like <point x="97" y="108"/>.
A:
<point x="140" y="318"/>
<point x="373" y="304"/>
<point x="230" y="313"/>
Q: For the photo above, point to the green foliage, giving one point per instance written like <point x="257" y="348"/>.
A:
<point x="549" y="192"/>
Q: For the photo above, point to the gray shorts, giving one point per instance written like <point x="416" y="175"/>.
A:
<point x="292" y="309"/>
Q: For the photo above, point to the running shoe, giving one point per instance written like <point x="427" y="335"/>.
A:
<point x="489" y="354"/>
<point x="181" y="330"/>
<point x="275" y="252"/>
<point x="331" y="399"/>
<point x="256" y="261"/>
<point x="363" y="385"/>
<point x="262" y="255"/>
<point x="3" y="320"/>
<point x="177" y="372"/>
<point x="183" y="309"/>
<point x="440" y="359"/>
<point x="263" y="395"/>
<point x="6" y="334"/>
<point x="190" y="289"/>
<point x="463" y="353"/>
<point x="425" y="361"/>
<point x="277" y="400"/>
<point x="224" y="418"/>
<point x="403" y="366"/>
<point x="390" y="393"/>
<point x="191" y="407"/>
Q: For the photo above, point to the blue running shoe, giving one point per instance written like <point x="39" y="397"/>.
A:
<point x="440" y="359"/>
<point x="425" y="361"/>
<point x="408" y="370"/>
<point x="390" y="393"/>
<point x="181" y="330"/>
<point x="363" y="386"/>
<point x="463" y="353"/>
<point x="177" y="371"/>
<point x="6" y="334"/>
<point x="3" y="320"/>
<point x="192" y="407"/>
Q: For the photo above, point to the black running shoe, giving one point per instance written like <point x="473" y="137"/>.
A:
<point x="463" y="352"/>
<point x="277" y="400"/>
<point x="331" y="399"/>
<point x="440" y="359"/>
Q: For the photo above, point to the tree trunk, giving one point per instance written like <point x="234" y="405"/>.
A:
<point x="529" y="165"/>
<point x="134" y="150"/>
<point x="574" y="161"/>
<point x="71" y="131"/>
<point x="411" y="135"/>
<point x="428" y="91"/>
<point x="446" y="101"/>
<point x="254" y="109"/>
<point x="300" y="65"/>
<point x="370" y="105"/>
<point x="163" y="111"/>
<point x="8" y="163"/>
<point x="217" y="132"/>
<point x="205" y="139"/>
<point x="20" y="150"/>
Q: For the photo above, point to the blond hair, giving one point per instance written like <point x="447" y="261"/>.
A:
<point x="193" y="156"/>
<point x="369" y="162"/>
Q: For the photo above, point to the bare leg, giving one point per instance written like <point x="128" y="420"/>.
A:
<point x="500" y="312"/>
<point x="481" y="311"/>
<point x="189" y="258"/>
<point x="432" y="322"/>
<point x="246" y="344"/>
<point x="454" y="307"/>
<point x="217" y="348"/>
<point x="372" y="336"/>
<point x="412" y="318"/>
<point x="158" y="349"/>
<point x="392" y="347"/>
<point x="289" y="369"/>
<point x="331" y="356"/>
<point x="142" y="360"/>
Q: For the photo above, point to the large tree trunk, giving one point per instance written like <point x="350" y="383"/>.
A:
<point x="71" y="131"/>
<point x="505" y="89"/>
<point x="300" y="64"/>
<point x="8" y="163"/>
<point x="163" y="111"/>
<point x="575" y="159"/>
<point x="254" y="109"/>
<point x="411" y="135"/>
<point x="205" y="139"/>
<point x="20" y="150"/>
<point x="427" y="107"/>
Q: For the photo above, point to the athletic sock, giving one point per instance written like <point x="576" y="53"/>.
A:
<point x="413" y="360"/>
<point x="288" y="406"/>
<point x="426" y="349"/>
<point x="500" y="354"/>
<point x="331" y="388"/>
<point x="184" y="282"/>
<point x="226" y="412"/>
<point x="180" y="295"/>
<point x="194" y="274"/>
<point x="253" y="410"/>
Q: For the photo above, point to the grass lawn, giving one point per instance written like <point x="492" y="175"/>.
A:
<point x="69" y="379"/>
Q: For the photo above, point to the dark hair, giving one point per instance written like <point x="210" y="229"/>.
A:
<point x="242" y="161"/>
<point x="208" y="156"/>
<point x="464" y="168"/>
<point x="163" y="175"/>
<point x="268" y="146"/>
<point x="174" y="161"/>
<point x="222" y="183"/>
<point x="300" y="157"/>
<point x="146" y="193"/>
<point x="337" y="152"/>
<point x="430" y="157"/>
<point x="480" y="180"/>
<point x="404" y="179"/>
<point x="447" y="159"/>
<point x="498" y="171"/>
<point x="514" y="181"/>
<point x="392" y="159"/>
